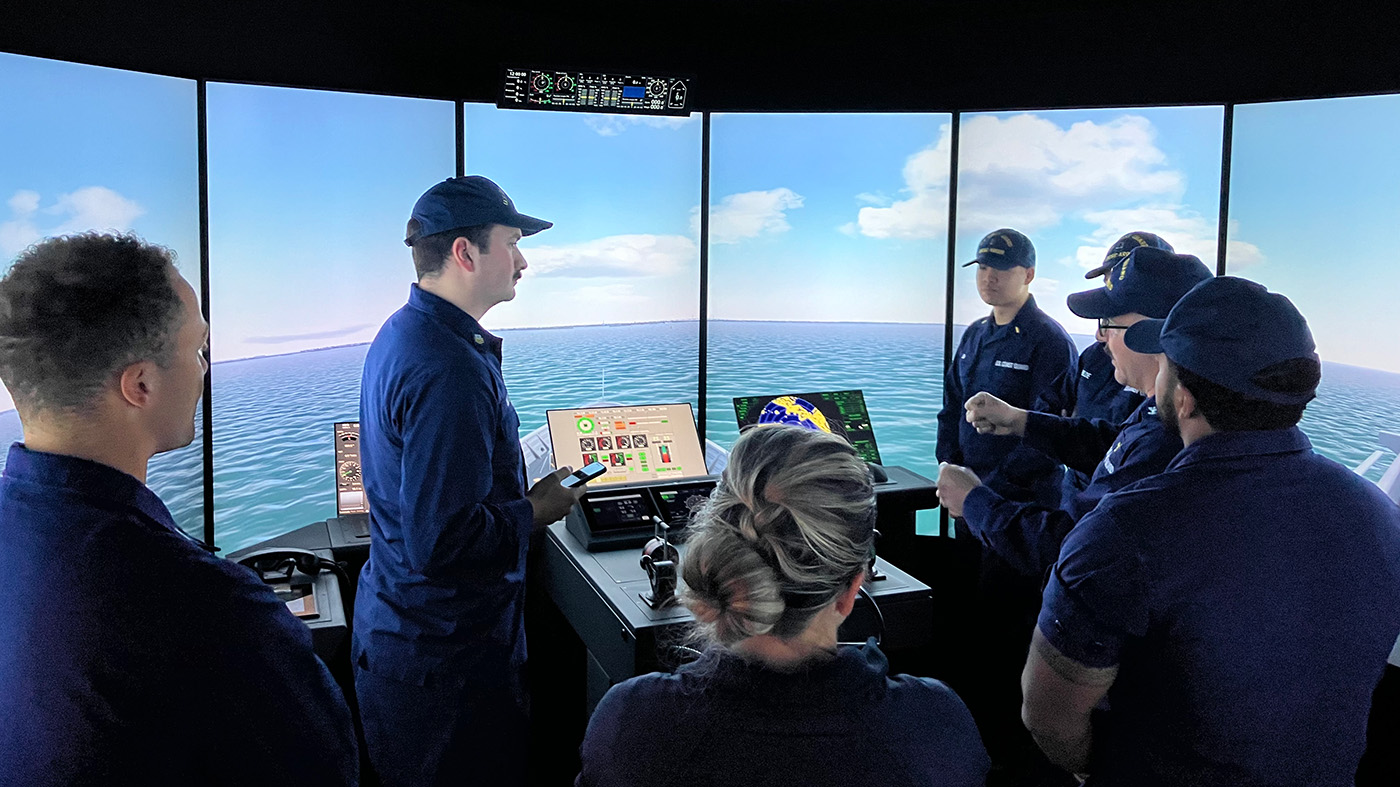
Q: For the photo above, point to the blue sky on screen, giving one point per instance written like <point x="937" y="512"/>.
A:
<point x="87" y="148"/>
<point x="813" y="217"/>
<point x="1321" y="181"/>
<point x="622" y="192"/>
<point x="1075" y="180"/>
<point x="309" y="192"/>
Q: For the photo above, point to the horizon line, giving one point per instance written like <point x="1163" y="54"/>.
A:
<point x="602" y="325"/>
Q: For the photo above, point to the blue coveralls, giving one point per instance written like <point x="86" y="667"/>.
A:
<point x="1028" y="536"/>
<point x="1016" y="362"/>
<point x="130" y="655"/>
<point x="439" y="640"/>
<point x="1249" y="595"/>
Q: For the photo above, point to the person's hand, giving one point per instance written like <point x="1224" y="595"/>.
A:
<point x="990" y="415"/>
<point x="954" y="482"/>
<point x="550" y="500"/>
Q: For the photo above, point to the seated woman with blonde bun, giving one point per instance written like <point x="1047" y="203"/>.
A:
<point x="772" y="567"/>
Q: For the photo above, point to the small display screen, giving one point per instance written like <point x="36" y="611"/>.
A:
<point x="652" y="442"/>
<point x="593" y="91"/>
<point x="679" y="503"/>
<point x="841" y="413"/>
<point x="349" y="477"/>
<point x="618" y="512"/>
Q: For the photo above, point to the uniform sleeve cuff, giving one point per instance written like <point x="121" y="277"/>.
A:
<point x="1070" y="626"/>
<point x="977" y="507"/>
<point x="1039" y="431"/>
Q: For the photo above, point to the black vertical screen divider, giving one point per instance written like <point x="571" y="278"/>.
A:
<point x="202" y="122"/>
<point x="943" y="528"/>
<point x="704" y="358"/>
<point x="1223" y="228"/>
<point x="461" y="139"/>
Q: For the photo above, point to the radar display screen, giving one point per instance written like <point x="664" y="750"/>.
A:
<point x="592" y="91"/>
<point x="841" y="413"/>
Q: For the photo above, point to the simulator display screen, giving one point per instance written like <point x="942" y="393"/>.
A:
<point x="841" y="413"/>
<point x="349" y="478"/>
<point x="637" y="443"/>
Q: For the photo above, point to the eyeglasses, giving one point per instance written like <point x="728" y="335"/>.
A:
<point x="1105" y="325"/>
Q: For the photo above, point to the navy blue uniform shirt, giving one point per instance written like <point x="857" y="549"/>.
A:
<point x="1249" y="595"/>
<point x="130" y="655"/>
<point x="1089" y="390"/>
<point x="1028" y="536"/>
<point x="444" y="588"/>
<point x="723" y="720"/>
<point x="1015" y="362"/>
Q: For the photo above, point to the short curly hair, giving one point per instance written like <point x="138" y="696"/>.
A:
<point x="74" y="310"/>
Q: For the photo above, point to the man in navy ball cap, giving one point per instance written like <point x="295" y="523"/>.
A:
<point x="1236" y="610"/>
<point x="1090" y="390"/>
<point x="439" y="638"/>
<point x="1014" y="353"/>
<point x="1145" y="284"/>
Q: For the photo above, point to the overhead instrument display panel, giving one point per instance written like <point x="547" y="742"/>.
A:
<point x="593" y="91"/>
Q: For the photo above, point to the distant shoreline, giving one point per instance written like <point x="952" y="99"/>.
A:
<point x="600" y="325"/>
<point x="1389" y="376"/>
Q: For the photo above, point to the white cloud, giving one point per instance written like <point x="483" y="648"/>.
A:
<point x="1027" y="172"/>
<point x="24" y="202"/>
<point x="924" y="214"/>
<point x="1044" y="286"/>
<point x="88" y="208"/>
<point x="616" y="255"/>
<point x="873" y="199"/>
<point x="15" y="236"/>
<point x="612" y="125"/>
<point x="95" y="208"/>
<point x="750" y="214"/>
<point x="1187" y="231"/>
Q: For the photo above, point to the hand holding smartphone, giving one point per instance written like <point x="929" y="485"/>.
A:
<point x="583" y="475"/>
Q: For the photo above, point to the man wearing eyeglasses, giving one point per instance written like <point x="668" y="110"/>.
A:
<point x="1088" y="389"/>
<point x="1145" y="284"/>
<point x="1225" y="621"/>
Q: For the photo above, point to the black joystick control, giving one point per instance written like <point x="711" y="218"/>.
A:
<point x="659" y="560"/>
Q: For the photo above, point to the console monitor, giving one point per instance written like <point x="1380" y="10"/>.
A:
<point x="349" y="481"/>
<point x="652" y="442"/>
<point x="841" y="413"/>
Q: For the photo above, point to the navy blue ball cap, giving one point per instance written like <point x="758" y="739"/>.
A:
<point x="1124" y="246"/>
<point x="1005" y="249"/>
<point x="469" y="202"/>
<point x="1229" y="330"/>
<point x="1149" y="281"/>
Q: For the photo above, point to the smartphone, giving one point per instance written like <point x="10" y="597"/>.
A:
<point x="583" y="475"/>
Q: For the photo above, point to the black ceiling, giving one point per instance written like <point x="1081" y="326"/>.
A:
<point x="754" y="55"/>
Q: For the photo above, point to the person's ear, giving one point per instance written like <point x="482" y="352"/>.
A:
<point x="1030" y="275"/>
<point x="847" y="600"/>
<point x="465" y="253"/>
<point x="135" y="383"/>
<point x="1185" y="403"/>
